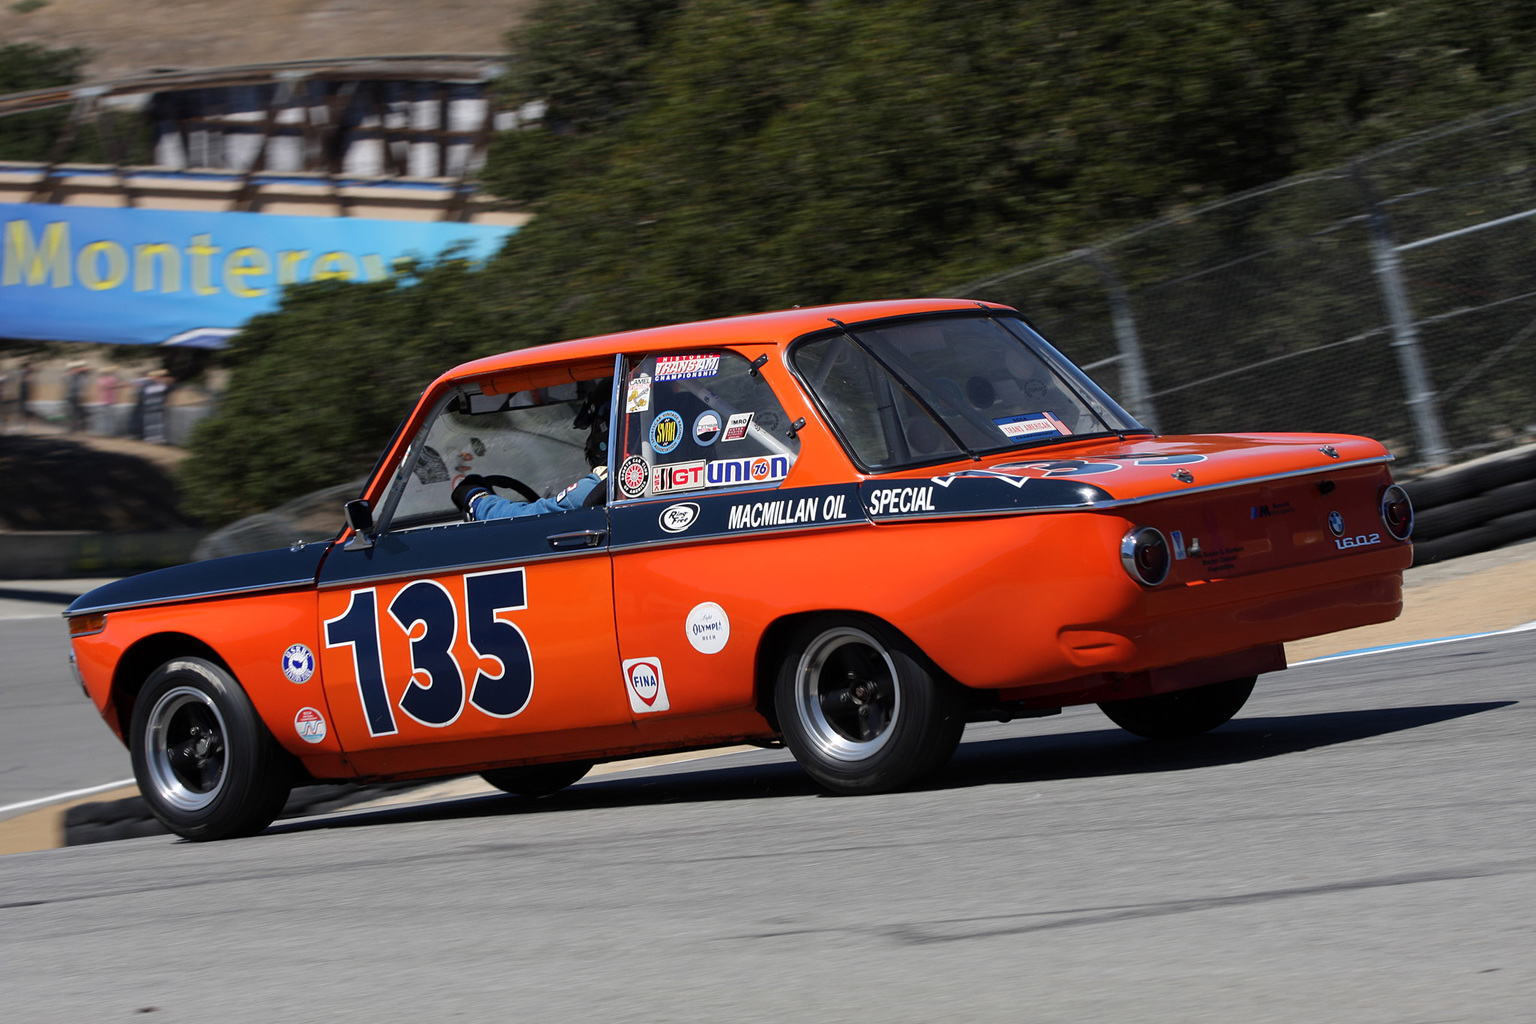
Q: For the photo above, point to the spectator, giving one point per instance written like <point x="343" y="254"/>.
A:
<point x="74" y="394"/>
<point x="152" y="398"/>
<point x="24" y="392"/>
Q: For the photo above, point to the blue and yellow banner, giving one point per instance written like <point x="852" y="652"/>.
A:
<point x="137" y="276"/>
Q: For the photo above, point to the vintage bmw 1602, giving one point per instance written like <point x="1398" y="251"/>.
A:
<point x="849" y="528"/>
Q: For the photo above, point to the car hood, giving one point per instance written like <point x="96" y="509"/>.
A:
<point x="262" y="570"/>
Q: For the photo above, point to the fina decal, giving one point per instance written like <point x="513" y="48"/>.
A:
<point x="298" y="663"/>
<point x="706" y="428"/>
<point x="639" y="398"/>
<point x="708" y="628"/>
<point x="310" y="725"/>
<point x="1034" y="424"/>
<point x="680" y="476"/>
<point x="634" y="474"/>
<point x="677" y="518"/>
<point x="666" y="433"/>
<point x="705" y="364"/>
<point x="646" y="686"/>
<point x="736" y="427"/>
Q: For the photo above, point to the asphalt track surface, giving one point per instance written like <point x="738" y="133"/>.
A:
<point x="1359" y="845"/>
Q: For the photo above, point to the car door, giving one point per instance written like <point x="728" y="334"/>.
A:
<point x="706" y="534"/>
<point x="449" y="644"/>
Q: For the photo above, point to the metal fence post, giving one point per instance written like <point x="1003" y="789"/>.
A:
<point x="1405" y="333"/>
<point x="1133" y="372"/>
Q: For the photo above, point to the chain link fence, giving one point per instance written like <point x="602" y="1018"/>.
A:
<point x="1393" y="297"/>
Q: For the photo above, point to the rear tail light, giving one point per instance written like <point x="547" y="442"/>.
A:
<point x="1397" y="512"/>
<point x="1144" y="553"/>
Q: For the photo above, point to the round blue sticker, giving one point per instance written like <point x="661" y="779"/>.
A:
<point x="666" y="432"/>
<point x="298" y="663"/>
<point x="706" y="428"/>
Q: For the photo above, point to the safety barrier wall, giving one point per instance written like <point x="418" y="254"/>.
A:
<point x="1477" y="506"/>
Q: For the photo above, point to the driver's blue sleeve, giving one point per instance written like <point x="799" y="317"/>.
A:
<point x="492" y="507"/>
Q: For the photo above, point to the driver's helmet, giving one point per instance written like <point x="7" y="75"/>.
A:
<point x="594" y="414"/>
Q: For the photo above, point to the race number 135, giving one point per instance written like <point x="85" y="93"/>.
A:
<point x="435" y="694"/>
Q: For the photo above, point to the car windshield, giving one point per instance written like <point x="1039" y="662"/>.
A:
<point x="931" y="390"/>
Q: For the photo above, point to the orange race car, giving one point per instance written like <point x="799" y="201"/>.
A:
<point x="851" y="529"/>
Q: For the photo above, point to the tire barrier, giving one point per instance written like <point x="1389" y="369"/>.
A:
<point x="1477" y="506"/>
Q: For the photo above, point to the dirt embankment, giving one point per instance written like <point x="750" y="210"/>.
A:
<point x="130" y="38"/>
<point x="52" y="482"/>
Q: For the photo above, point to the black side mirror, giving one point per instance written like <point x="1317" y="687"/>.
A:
<point x="360" y="517"/>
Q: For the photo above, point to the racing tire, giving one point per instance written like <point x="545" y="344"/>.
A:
<point x="206" y="765"/>
<point x="1183" y="713"/>
<point x="861" y="710"/>
<point x="536" y="780"/>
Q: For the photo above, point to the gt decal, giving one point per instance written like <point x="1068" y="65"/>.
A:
<point x="426" y="613"/>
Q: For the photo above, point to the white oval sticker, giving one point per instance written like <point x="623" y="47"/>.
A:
<point x="677" y="518"/>
<point x="708" y="628"/>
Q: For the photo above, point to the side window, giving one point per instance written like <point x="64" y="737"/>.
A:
<point x="530" y="437"/>
<point x="700" y="420"/>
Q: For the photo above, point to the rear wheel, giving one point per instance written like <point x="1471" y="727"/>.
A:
<point x="205" y="763"/>
<point x="1183" y="713"/>
<point x="537" y="779"/>
<point x="859" y="708"/>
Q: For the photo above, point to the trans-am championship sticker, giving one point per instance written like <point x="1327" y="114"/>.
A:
<point x="634" y="474"/>
<point x="639" y="397"/>
<point x="646" y="686"/>
<point x="705" y="364"/>
<point x="298" y="663"/>
<point x="706" y="428"/>
<point x="666" y="433"/>
<point x="708" y="628"/>
<point x="310" y="725"/>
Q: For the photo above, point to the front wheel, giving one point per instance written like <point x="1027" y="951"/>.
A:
<point x="859" y="708"/>
<point x="537" y="779"/>
<point x="206" y="765"/>
<point x="1183" y="713"/>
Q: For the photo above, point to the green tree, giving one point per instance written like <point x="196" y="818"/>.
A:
<point x="24" y="67"/>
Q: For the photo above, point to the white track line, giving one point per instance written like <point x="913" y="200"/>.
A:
<point x="1409" y="645"/>
<point x="59" y="798"/>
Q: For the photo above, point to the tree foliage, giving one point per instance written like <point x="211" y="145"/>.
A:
<point x="24" y="67"/>
<point x="700" y="158"/>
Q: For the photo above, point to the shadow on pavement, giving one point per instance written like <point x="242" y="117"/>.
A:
<point x="1015" y="759"/>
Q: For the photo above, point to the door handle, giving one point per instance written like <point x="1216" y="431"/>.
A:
<point x="577" y="540"/>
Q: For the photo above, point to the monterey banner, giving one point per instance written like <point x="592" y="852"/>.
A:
<point x="137" y="276"/>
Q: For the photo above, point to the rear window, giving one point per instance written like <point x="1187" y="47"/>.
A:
<point x="926" y="391"/>
<point x="699" y="420"/>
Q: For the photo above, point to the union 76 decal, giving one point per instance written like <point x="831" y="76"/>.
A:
<point x="426" y="613"/>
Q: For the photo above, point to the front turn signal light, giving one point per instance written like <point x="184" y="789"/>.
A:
<point x="85" y="625"/>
